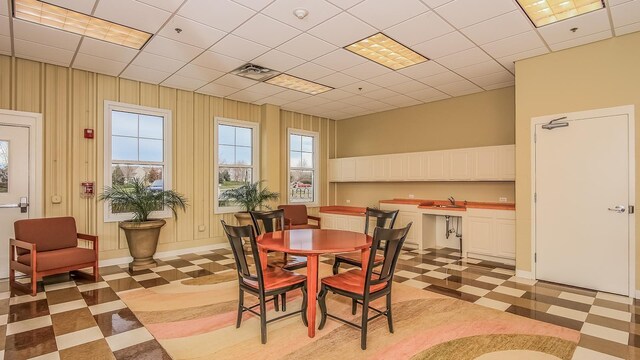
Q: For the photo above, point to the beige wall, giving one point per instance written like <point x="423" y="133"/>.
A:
<point x="481" y="119"/>
<point x="71" y="100"/>
<point x="598" y="75"/>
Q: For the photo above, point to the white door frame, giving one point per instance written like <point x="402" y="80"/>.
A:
<point x="628" y="110"/>
<point x="34" y="122"/>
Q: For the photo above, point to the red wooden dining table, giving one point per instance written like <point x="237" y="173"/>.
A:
<point x="312" y="243"/>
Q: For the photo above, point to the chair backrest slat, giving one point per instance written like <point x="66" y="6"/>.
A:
<point x="269" y="221"/>
<point x="391" y="240"/>
<point x="236" y="234"/>
<point x="384" y="218"/>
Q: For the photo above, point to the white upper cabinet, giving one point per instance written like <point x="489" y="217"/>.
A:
<point x="507" y="162"/>
<point x="397" y="167"/>
<point x="335" y="171"/>
<point x="348" y="169"/>
<point x="380" y="168"/>
<point x="437" y="165"/>
<point x="415" y="164"/>
<point x="486" y="163"/>
<point x="461" y="164"/>
<point x="364" y="168"/>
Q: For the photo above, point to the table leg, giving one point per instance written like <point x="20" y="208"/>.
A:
<point x="263" y="258"/>
<point x="312" y="293"/>
<point x="365" y="259"/>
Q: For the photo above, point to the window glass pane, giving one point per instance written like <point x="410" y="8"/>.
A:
<point x="231" y="178"/>
<point x="4" y="166"/>
<point x="151" y="127"/>
<point x="226" y="154"/>
<point x="301" y="186"/>
<point x="307" y="160"/>
<point x="150" y="150"/>
<point x="226" y="135"/>
<point x="307" y="143"/>
<point x="124" y="123"/>
<point x="294" y="159"/>
<point x="243" y="136"/>
<point x="296" y="142"/>
<point x="243" y="155"/>
<point x="124" y="148"/>
<point x="123" y="174"/>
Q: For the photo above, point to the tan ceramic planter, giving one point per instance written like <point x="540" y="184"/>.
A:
<point x="142" y="238"/>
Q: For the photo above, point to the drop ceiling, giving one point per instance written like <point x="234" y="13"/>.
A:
<point x="471" y="44"/>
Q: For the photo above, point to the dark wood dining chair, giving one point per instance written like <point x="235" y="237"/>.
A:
<point x="263" y="284"/>
<point x="384" y="219"/>
<point x="365" y="287"/>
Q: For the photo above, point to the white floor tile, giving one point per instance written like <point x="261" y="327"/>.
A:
<point x="588" y="354"/>
<point x="55" y="355"/>
<point x="437" y="275"/>
<point x="503" y="271"/>
<point x="576" y="297"/>
<point x="129" y="338"/>
<point x="406" y="274"/>
<point x="190" y="268"/>
<point x="116" y="276"/>
<point x="444" y="260"/>
<point x="567" y="313"/>
<point x="494" y="304"/>
<point x="427" y="266"/>
<point x="201" y="261"/>
<point x="93" y="286"/>
<point x="28" y="325"/>
<point x="162" y="268"/>
<point x="78" y="337"/>
<point x="416" y="283"/>
<point x="473" y="290"/>
<point x="523" y="281"/>
<point x="455" y="267"/>
<point x="67" y="306"/>
<point x="147" y="276"/>
<point x="107" y="307"/>
<point x="27" y="298"/>
<point x="490" y="280"/>
<point x="618" y="336"/>
<point x="509" y="291"/>
<point x="613" y="297"/>
<point x="610" y="313"/>
<point x="58" y="286"/>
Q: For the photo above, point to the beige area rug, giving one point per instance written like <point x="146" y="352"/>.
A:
<point x="195" y="319"/>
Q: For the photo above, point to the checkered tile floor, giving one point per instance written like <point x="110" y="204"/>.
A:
<point x="73" y="318"/>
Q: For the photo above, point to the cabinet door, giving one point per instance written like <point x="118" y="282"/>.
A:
<point x="461" y="164"/>
<point x="415" y="166"/>
<point x="404" y="218"/>
<point x="364" y="169"/>
<point x="505" y="238"/>
<point x="328" y="221"/>
<point x="356" y="223"/>
<point x="335" y="170"/>
<point x="486" y="161"/>
<point x="507" y="162"/>
<point x="342" y="223"/>
<point x="380" y="167"/>
<point x="397" y="167"/>
<point x="348" y="169"/>
<point x="437" y="165"/>
<point x="480" y="237"/>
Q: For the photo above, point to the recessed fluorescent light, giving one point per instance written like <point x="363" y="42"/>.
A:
<point x="60" y="18"/>
<point x="386" y="51"/>
<point x="544" y="12"/>
<point x="298" y="84"/>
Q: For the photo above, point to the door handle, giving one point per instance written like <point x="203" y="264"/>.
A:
<point x="618" y="209"/>
<point x="22" y="205"/>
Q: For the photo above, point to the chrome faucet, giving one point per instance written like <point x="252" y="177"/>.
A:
<point x="452" y="200"/>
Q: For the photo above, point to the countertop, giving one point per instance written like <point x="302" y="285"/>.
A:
<point x="431" y="204"/>
<point x="343" y="210"/>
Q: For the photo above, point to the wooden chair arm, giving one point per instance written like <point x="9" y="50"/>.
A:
<point x="22" y="244"/>
<point x="316" y="218"/>
<point x="87" y="237"/>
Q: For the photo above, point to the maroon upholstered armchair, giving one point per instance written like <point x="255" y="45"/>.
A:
<point x="296" y="217"/>
<point x="49" y="246"/>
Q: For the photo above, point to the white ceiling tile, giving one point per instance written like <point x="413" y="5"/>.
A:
<point x="133" y="14"/>
<point x="184" y="83"/>
<point x="462" y="92"/>
<point x="145" y="74"/>
<point x="388" y="79"/>
<point x="421" y="28"/>
<point x="212" y="60"/>
<point x="266" y="31"/>
<point x="221" y="14"/>
<point x="435" y="3"/>
<point x="319" y="11"/>
<point x="441" y="79"/>
<point x="337" y="80"/>
<point x="408" y="86"/>
<point x="199" y="72"/>
<point x="5" y="45"/>
<point x="294" y="106"/>
<point x="360" y="87"/>
<point x="193" y="32"/>
<point x="83" y="6"/>
<point x="627" y="29"/>
<point x="335" y="94"/>
<point x="587" y="24"/>
<point x="618" y="2"/>
<point x="239" y="48"/>
<point x="510" y="59"/>
<point x="423" y="70"/>
<point x="458" y="88"/>
<point x="98" y="64"/>
<point x="492" y="79"/>
<point x="277" y="60"/>
<point x="480" y="69"/>
<point x="245" y="96"/>
<point x="366" y="70"/>
<point x="157" y="62"/>
<point x="626" y="13"/>
<point x="4" y="26"/>
<point x="425" y="94"/>
<point x="340" y="59"/>
<point x="107" y="50"/>
<point x="311" y="101"/>
<point x="514" y="44"/>
<point x="355" y="99"/>
<point x="335" y="105"/>
<point x="256" y="5"/>
<point x="217" y="90"/>
<point x="235" y="81"/>
<point x="462" y="13"/>
<point x="293" y="95"/>
<point x="342" y="30"/>
<point x="168" y="5"/>
<point x="380" y="94"/>
<point x="266" y="89"/>
<point x="401" y="101"/>
<point x="273" y="100"/>
<point x="464" y="58"/>
<point x="45" y="35"/>
<point x="444" y="45"/>
<point x="39" y="52"/>
<point x="437" y="98"/>
<point x="310" y="71"/>
<point x="307" y="47"/>
<point x="500" y="85"/>
<point x="4" y="7"/>
<point x="172" y="49"/>
<point x="581" y="40"/>
<point x="383" y="13"/>
<point x="345" y="4"/>
<point x="509" y="24"/>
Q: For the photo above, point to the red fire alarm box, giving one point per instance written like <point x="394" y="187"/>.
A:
<point x="88" y="133"/>
<point x="86" y="189"/>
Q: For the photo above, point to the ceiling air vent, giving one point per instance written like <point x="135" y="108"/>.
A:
<point x="254" y="72"/>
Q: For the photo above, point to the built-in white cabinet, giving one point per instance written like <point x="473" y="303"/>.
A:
<point x="342" y="222"/>
<point x="490" y="233"/>
<point x="407" y="214"/>
<point x="491" y="163"/>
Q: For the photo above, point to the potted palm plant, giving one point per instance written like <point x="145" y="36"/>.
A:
<point x="250" y="197"/>
<point x="141" y="231"/>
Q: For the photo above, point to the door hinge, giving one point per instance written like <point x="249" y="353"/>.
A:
<point x="535" y="257"/>
<point x="535" y="197"/>
<point x="632" y="209"/>
<point x="535" y="137"/>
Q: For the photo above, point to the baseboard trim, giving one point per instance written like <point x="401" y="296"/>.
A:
<point x="164" y="254"/>
<point x="524" y="274"/>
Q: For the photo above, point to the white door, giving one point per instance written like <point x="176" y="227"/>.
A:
<point x="581" y="178"/>
<point x="14" y="185"/>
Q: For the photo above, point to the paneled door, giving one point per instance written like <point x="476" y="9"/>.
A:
<point x="582" y="198"/>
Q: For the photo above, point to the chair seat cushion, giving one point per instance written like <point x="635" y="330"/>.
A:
<point x="55" y="259"/>
<point x="356" y="258"/>
<point x="305" y="226"/>
<point x="351" y="281"/>
<point x="277" y="278"/>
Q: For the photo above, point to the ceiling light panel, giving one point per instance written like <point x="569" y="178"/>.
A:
<point x="60" y="18"/>
<point x="387" y="52"/>
<point x="544" y="12"/>
<point x="298" y="84"/>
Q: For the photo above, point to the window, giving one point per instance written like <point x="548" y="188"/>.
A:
<point x="137" y="145"/>
<point x="236" y="158"/>
<point x="4" y="166"/>
<point x="303" y="167"/>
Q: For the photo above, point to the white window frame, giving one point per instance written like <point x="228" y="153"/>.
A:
<point x="109" y="107"/>
<point x="316" y="165"/>
<point x="255" y="158"/>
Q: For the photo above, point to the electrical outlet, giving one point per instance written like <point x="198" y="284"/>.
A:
<point x="348" y="201"/>
<point x="503" y="199"/>
<point x="411" y="196"/>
